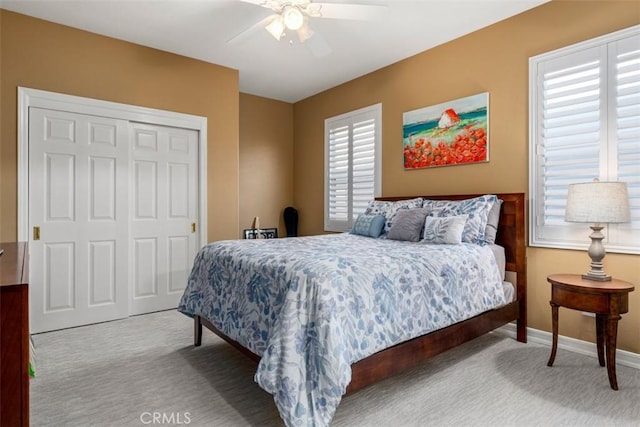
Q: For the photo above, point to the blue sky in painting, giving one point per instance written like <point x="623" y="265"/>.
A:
<point x="434" y="112"/>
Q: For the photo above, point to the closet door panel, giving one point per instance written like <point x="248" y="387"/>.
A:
<point x="79" y="216"/>
<point x="165" y="199"/>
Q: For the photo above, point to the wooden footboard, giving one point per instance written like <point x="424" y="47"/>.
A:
<point x="403" y="356"/>
<point x="388" y="362"/>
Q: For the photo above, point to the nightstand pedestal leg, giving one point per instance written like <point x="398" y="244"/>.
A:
<point x="612" y="333"/>
<point x="601" y="322"/>
<point x="554" y="347"/>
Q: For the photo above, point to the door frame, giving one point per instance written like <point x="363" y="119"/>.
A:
<point x="28" y="97"/>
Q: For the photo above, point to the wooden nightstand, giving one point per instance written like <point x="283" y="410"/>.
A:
<point x="608" y="300"/>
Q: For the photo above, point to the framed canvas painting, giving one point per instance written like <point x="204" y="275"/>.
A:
<point x="451" y="133"/>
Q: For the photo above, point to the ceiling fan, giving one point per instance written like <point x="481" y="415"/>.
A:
<point x="293" y="16"/>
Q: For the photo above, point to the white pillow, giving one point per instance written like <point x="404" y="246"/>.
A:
<point x="444" y="230"/>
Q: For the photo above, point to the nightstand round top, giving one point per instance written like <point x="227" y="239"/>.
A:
<point x="576" y="280"/>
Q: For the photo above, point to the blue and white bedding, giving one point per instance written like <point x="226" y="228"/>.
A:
<point x="312" y="306"/>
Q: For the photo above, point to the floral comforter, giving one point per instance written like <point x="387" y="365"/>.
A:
<point x="312" y="306"/>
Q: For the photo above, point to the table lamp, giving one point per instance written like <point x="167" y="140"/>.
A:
<point x="597" y="202"/>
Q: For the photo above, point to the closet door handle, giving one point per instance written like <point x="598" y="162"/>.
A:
<point x="193" y="227"/>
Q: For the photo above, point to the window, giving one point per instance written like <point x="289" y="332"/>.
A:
<point x="352" y="165"/>
<point x="584" y="123"/>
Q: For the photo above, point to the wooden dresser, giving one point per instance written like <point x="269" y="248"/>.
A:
<point x="14" y="335"/>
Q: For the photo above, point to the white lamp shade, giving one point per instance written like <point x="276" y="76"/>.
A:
<point x="598" y="202"/>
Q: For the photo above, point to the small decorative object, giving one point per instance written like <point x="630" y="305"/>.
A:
<point x="256" y="227"/>
<point x="597" y="202"/>
<point x="265" y="233"/>
<point x="451" y="133"/>
<point x="255" y="232"/>
<point x="291" y="221"/>
<point x="32" y="358"/>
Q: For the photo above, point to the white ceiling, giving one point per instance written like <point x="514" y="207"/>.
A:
<point x="278" y="69"/>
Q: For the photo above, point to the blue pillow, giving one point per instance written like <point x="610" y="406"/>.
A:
<point x="368" y="225"/>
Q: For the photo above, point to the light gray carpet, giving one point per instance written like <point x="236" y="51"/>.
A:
<point x="119" y="373"/>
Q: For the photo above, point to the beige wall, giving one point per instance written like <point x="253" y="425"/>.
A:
<point x="266" y="161"/>
<point x="47" y="56"/>
<point x="494" y="60"/>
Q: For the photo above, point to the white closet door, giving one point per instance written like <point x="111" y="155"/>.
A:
<point x="78" y="200"/>
<point x="163" y="214"/>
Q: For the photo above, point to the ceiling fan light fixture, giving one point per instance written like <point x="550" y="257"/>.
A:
<point x="276" y="27"/>
<point x="292" y="17"/>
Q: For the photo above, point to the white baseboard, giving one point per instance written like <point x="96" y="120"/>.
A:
<point x="623" y="357"/>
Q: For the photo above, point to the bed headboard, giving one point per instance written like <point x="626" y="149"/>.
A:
<point x="511" y="227"/>
<point x="511" y="235"/>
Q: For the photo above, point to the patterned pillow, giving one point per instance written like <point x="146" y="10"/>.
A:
<point x="446" y="230"/>
<point x="408" y="225"/>
<point x="368" y="225"/>
<point x="390" y="209"/>
<point x="477" y="208"/>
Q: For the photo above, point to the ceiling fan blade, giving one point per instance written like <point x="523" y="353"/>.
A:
<point x="256" y="2"/>
<point x="317" y="45"/>
<point x="356" y="12"/>
<point x="305" y="32"/>
<point x="275" y="5"/>
<point x="245" y="34"/>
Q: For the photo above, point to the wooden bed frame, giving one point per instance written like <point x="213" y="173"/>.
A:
<point x="388" y="362"/>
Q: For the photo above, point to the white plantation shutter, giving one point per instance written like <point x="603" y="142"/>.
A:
<point x="339" y="173"/>
<point x="624" y="116"/>
<point x="352" y="166"/>
<point x="569" y="136"/>
<point x="585" y="124"/>
<point x="363" y="165"/>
